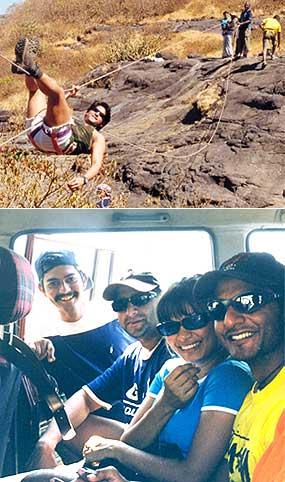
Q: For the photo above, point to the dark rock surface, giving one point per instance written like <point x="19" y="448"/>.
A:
<point x="4" y="120"/>
<point x="196" y="132"/>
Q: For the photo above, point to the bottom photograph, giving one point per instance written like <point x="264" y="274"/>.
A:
<point x="142" y="345"/>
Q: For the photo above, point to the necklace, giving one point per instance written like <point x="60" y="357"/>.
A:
<point x="262" y="383"/>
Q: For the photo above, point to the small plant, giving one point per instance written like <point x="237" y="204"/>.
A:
<point x="131" y="47"/>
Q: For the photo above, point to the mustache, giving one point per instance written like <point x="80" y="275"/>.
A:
<point x="59" y="297"/>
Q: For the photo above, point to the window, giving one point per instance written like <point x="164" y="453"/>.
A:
<point x="268" y="240"/>
<point x="109" y="255"/>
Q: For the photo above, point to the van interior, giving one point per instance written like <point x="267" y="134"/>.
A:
<point x="109" y="243"/>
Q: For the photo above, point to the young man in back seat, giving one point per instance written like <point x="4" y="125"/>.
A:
<point x="80" y="349"/>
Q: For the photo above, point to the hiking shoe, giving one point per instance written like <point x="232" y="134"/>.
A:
<point x="26" y="51"/>
<point x="264" y="65"/>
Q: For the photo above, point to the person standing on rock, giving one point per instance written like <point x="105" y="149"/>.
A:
<point x="228" y="28"/>
<point x="244" y="32"/>
<point x="52" y="128"/>
<point x="271" y="28"/>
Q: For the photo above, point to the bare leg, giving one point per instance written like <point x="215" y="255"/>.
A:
<point x="273" y="48"/>
<point x="37" y="100"/>
<point x="58" y="111"/>
<point x="95" y="425"/>
<point x="264" y="53"/>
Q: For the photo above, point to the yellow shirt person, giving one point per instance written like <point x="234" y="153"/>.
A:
<point x="271" y="28"/>
<point x="271" y="24"/>
<point x="254" y="428"/>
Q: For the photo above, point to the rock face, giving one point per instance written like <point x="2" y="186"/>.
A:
<point x="4" y="120"/>
<point x="197" y="132"/>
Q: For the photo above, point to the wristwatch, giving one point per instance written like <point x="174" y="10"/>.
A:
<point x="85" y="180"/>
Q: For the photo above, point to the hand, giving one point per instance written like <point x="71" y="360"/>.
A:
<point x="109" y="474"/>
<point x="98" y="448"/>
<point x="72" y="92"/>
<point x="76" y="183"/>
<point x="180" y="385"/>
<point x="42" y="457"/>
<point x="44" y="348"/>
<point x="83" y="475"/>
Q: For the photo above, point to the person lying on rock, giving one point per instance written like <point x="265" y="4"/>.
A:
<point x="52" y="127"/>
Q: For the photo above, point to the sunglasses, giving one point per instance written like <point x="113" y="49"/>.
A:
<point x="99" y="112"/>
<point x="190" y="322"/>
<point x="245" y="303"/>
<point x="136" y="300"/>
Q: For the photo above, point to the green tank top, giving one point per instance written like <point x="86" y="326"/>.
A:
<point x="82" y="135"/>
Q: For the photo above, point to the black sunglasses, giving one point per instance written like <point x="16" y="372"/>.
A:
<point x="99" y="112"/>
<point x="190" y="322"/>
<point x="244" y="303"/>
<point x="136" y="300"/>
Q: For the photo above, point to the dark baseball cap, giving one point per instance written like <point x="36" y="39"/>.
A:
<point x="50" y="259"/>
<point x="17" y="286"/>
<point x="141" y="282"/>
<point x="260" y="269"/>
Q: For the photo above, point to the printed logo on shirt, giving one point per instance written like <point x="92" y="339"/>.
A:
<point x="130" y="411"/>
<point x="237" y="456"/>
<point x="133" y="393"/>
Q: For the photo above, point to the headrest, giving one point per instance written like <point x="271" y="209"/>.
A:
<point x="17" y="286"/>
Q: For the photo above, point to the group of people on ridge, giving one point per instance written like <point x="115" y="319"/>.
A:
<point x="239" y="29"/>
<point x="201" y="388"/>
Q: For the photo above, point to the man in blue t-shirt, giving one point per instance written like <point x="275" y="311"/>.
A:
<point x="244" y="32"/>
<point x="134" y="298"/>
<point x="76" y="351"/>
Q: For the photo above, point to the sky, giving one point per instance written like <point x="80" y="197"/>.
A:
<point x="4" y="4"/>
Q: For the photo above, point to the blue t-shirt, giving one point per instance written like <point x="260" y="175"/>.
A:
<point x="129" y="378"/>
<point x="227" y="26"/>
<point x="244" y="17"/>
<point x="223" y="389"/>
<point x="82" y="357"/>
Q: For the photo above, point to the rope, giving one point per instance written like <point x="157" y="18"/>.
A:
<point x="186" y="156"/>
<point x="26" y="131"/>
<point x="13" y="63"/>
<point x="14" y="137"/>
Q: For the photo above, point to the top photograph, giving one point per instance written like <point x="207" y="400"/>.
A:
<point x="142" y="104"/>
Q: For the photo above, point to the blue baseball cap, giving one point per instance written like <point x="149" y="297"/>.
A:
<point x="260" y="269"/>
<point x="50" y="259"/>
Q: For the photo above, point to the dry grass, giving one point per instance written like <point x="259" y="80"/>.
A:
<point x="131" y="46"/>
<point x="189" y="42"/>
<point x="39" y="181"/>
<point x="214" y="9"/>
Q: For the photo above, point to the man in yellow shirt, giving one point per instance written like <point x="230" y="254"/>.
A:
<point x="245" y="299"/>
<point x="271" y="28"/>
